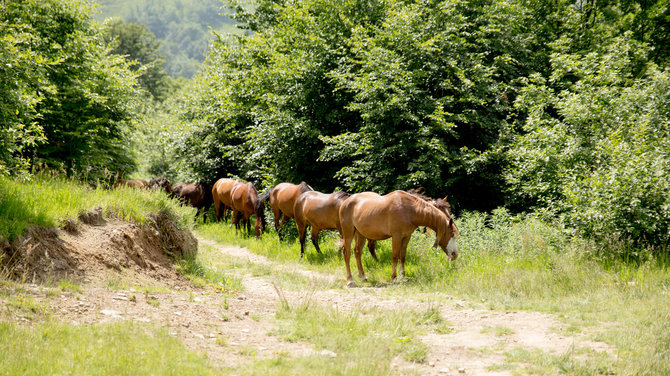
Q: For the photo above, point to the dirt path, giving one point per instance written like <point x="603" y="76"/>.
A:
<point x="232" y="328"/>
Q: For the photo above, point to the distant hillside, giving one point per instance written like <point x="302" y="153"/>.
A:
<point x="182" y="26"/>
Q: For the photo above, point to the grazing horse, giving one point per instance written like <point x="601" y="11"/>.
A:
<point x="396" y="216"/>
<point x="245" y="200"/>
<point x="221" y="196"/>
<point x="135" y="183"/>
<point x="282" y="200"/>
<point x="197" y="195"/>
<point x="160" y="183"/>
<point x="322" y="211"/>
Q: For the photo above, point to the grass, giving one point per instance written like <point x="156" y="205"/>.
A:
<point x="363" y="343"/>
<point x="518" y="263"/>
<point x="48" y="200"/>
<point x="113" y="349"/>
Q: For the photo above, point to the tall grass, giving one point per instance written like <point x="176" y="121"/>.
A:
<point x="52" y="348"/>
<point x="47" y="200"/>
<point x="519" y="262"/>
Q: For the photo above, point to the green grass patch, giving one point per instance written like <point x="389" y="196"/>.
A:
<point x="356" y="342"/>
<point x="48" y="200"/>
<point x="114" y="349"/>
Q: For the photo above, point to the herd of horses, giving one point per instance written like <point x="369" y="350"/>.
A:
<point x="365" y="216"/>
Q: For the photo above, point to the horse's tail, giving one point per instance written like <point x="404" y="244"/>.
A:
<point x="304" y="187"/>
<point x="264" y="197"/>
<point x="259" y="210"/>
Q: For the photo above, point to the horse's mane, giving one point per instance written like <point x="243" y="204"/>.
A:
<point x="419" y="192"/>
<point x="341" y="195"/>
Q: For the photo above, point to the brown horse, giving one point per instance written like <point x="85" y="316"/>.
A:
<point x="245" y="200"/>
<point x="322" y="212"/>
<point x="282" y="200"/>
<point x="396" y="216"/>
<point x="197" y="195"/>
<point x="160" y="183"/>
<point x="135" y="183"/>
<point x="221" y="196"/>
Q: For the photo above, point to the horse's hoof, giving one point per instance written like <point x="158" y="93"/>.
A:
<point x="364" y="278"/>
<point x="351" y="284"/>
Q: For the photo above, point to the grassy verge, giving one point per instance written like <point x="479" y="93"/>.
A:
<point x="112" y="349"/>
<point x="521" y="263"/>
<point x="47" y="200"/>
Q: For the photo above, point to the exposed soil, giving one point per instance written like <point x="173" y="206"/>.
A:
<point x="110" y="257"/>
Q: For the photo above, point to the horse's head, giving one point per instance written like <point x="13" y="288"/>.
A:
<point x="259" y="210"/>
<point x="447" y="239"/>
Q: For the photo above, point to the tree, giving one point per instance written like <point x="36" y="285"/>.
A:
<point x="68" y="100"/>
<point x="137" y="44"/>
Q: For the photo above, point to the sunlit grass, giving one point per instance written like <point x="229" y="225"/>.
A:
<point x="52" y="348"/>
<point x="47" y="200"/>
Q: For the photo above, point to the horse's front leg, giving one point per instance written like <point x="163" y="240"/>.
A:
<point x="358" y="252"/>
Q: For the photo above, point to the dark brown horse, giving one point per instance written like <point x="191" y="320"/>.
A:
<point x="197" y="195"/>
<point x="396" y="216"/>
<point x="321" y="211"/>
<point x="282" y="200"/>
<point x="221" y="195"/>
<point x="160" y="183"/>
<point x="245" y="201"/>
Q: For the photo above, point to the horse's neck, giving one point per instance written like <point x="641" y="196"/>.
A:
<point x="429" y="216"/>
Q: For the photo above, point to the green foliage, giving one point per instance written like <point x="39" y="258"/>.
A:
<point x="66" y="101"/>
<point x="559" y="106"/>
<point x="595" y="145"/>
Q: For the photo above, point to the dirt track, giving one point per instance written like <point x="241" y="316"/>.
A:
<point x="230" y="329"/>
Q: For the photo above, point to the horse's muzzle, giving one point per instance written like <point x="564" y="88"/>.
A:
<point x="452" y="249"/>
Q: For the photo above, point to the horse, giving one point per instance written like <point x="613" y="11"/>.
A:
<point x="160" y="183"/>
<point x="321" y="210"/>
<point x="221" y="196"/>
<point x="135" y="183"/>
<point x="197" y="195"/>
<point x="245" y="200"/>
<point x="282" y="200"/>
<point x="396" y="216"/>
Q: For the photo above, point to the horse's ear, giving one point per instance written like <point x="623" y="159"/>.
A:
<point x="445" y="197"/>
<point x="451" y="222"/>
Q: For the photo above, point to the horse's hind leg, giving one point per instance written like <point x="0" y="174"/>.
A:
<point x="371" y="249"/>
<point x="217" y="208"/>
<point x="398" y="244"/>
<point x="315" y="237"/>
<point x="358" y="252"/>
<point x="301" y="234"/>
<point x="277" y="213"/>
